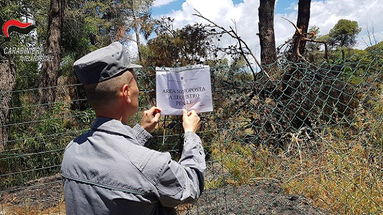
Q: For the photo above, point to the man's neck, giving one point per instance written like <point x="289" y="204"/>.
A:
<point x="116" y="116"/>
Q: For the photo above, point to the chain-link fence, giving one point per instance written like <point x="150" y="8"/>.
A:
<point x="304" y="139"/>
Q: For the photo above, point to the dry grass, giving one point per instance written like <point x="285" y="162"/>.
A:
<point x="341" y="171"/>
<point x="32" y="209"/>
<point x="339" y="178"/>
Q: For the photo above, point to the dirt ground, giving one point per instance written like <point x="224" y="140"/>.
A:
<point x="44" y="196"/>
<point x="260" y="198"/>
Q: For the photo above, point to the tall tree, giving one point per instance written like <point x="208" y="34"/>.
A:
<point x="53" y="48"/>
<point x="7" y="83"/>
<point x="188" y="45"/>
<point x="139" y="14"/>
<point x="266" y="32"/>
<point x="11" y="9"/>
<point x="343" y="35"/>
<point x="303" y="21"/>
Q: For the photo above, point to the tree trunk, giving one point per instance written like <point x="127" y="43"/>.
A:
<point x="303" y="21"/>
<point x="136" y="31"/>
<point x="51" y="67"/>
<point x="7" y="84"/>
<point x="266" y="32"/>
<point x="138" y="43"/>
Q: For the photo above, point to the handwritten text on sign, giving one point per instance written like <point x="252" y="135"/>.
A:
<point x="183" y="88"/>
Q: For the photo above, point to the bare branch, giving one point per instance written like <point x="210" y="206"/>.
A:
<point x="233" y="33"/>
<point x="296" y="28"/>
<point x="373" y="35"/>
<point x="244" y="55"/>
<point x="300" y="36"/>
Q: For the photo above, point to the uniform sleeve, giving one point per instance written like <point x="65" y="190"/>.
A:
<point x="183" y="181"/>
<point x="141" y="134"/>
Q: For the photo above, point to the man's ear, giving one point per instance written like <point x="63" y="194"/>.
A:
<point x="125" y="93"/>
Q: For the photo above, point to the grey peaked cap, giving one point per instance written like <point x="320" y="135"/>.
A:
<point x="103" y="64"/>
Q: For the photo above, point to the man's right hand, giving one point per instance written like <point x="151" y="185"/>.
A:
<point x="191" y="121"/>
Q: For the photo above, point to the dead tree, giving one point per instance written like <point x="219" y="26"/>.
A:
<point x="300" y="37"/>
<point x="266" y="32"/>
<point x="303" y="21"/>
<point x="50" y="68"/>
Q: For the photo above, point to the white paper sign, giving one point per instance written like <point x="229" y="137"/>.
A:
<point x="183" y="88"/>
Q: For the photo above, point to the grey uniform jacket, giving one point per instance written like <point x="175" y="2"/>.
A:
<point x="108" y="170"/>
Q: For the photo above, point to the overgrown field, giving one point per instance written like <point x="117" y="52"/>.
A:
<point x="313" y="128"/>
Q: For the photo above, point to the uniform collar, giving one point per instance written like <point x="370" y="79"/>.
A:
<point x="112" y="126"/>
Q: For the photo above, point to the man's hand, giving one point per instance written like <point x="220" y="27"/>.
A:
<point x="191" y="121"/>
<point x="150" y="118"/>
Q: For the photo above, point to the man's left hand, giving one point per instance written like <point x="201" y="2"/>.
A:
<point x="150" y="118"/>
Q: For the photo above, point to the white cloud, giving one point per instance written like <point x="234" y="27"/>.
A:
<point x="159" y="3"/>
<point x="369" y="13"/>
<point x="224" y="13"/>
<point x="324" y="14"/>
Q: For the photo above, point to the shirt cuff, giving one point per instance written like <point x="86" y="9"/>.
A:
<point x="192" y="137"/>
<point x="193" y="154"/>
<point x="142" y="135"/>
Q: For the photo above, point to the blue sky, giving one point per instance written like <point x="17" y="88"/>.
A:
<point x="158" y="11"/>
<point x="244" y="14"/>
<point x="282" y="6"/>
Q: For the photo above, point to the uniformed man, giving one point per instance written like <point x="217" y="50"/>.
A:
<point x="108" y="169"/>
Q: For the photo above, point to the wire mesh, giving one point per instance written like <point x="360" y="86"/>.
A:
<point x="310" y="134"/>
